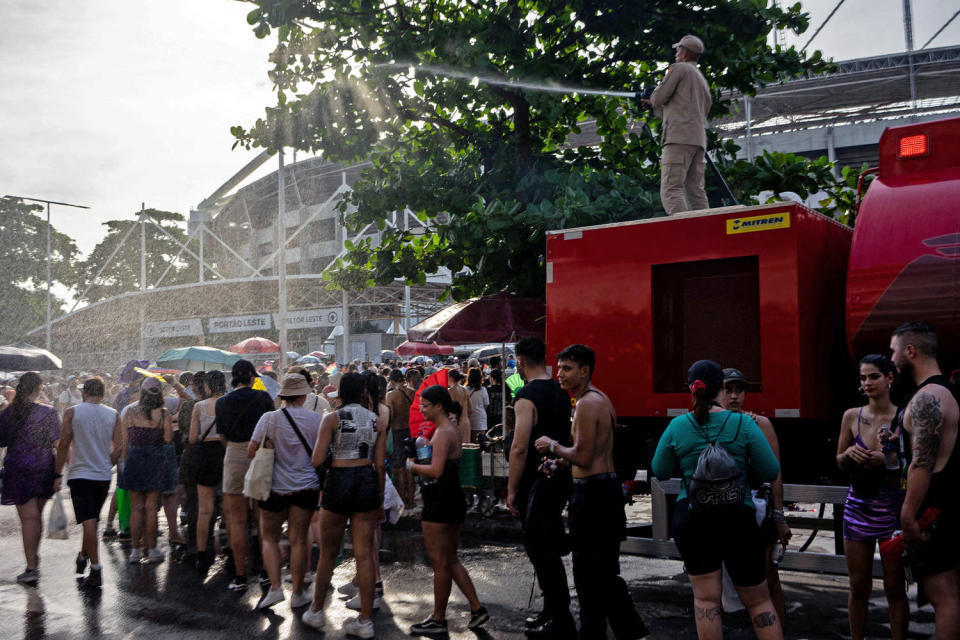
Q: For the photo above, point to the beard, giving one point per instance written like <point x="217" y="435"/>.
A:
<point x="906" y="368"/>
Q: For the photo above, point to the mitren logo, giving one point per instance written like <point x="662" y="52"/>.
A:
<point x="759" y="223"/>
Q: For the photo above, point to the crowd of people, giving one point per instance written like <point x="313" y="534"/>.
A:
<point x="340" y="447"/>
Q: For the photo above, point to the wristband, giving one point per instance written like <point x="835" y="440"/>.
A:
<point x="553" y="447"/>
<point x="777" y="516"/>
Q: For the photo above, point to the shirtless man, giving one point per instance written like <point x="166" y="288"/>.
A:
<point x="595" y="514"/>
<point x="399" y="398"/>
<point x="933" y="475"/>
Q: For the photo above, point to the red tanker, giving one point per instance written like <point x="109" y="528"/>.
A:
<point x="767" y="290"/>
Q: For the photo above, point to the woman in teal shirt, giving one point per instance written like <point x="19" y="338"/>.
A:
<point x="708" y="539"/>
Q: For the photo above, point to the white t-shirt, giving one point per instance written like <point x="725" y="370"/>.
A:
<point x="479" y="401"/>
<point x="292" y="470"/>
<point x="317" y="404"/>
<point x="67" y="399"/>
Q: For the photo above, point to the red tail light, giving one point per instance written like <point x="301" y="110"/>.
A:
<point x="913" y="146"/>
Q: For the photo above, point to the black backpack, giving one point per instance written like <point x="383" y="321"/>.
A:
<point x="717" y="483"/>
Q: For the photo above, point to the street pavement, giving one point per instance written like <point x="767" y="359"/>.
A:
<point x="162" y="601"/>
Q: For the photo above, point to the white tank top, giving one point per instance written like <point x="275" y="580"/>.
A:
<point x="92" y="438"/>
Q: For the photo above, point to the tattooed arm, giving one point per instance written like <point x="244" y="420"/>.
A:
<point x="927" y="421"/>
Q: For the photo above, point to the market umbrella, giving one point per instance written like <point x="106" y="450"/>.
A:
<point x="198" y="359"/>
<point x="502" y="317"/>
<point x="256" y="344"/>
<point x="26" y="357"/>
<point x="409" y="348"/>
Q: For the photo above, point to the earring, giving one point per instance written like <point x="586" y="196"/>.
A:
<point x="862" y="392"/>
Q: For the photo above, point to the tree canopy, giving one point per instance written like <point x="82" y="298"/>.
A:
<point x="23" y="256"/>
<point x="122" y="273"/>
<point x="422" y="90"/>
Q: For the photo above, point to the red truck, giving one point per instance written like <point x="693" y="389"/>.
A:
<point x="788" y="296"/>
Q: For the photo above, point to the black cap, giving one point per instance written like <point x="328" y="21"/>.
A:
<point x="733" y="375"/>
<point x="708" y="372"/>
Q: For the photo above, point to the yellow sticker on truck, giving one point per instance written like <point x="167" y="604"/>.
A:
<point x="759" y="223"/>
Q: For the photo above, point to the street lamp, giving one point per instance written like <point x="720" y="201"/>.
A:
<point x="48" y="203"/>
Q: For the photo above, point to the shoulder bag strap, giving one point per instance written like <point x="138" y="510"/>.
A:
<point x="210" y="428"/>
<point x="303" y="440"/>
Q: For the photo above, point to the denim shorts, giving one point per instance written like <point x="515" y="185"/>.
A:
<point x="349" y="490"/>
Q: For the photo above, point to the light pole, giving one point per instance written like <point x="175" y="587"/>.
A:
<point x="48" y="203"/>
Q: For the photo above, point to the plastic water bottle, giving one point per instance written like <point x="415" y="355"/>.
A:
<point x="889" y="446"/>
<point x="777" y="553"/>
<point x="424" y="450"/>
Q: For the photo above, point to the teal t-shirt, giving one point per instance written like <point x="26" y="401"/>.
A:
<point x="683" y="441"/>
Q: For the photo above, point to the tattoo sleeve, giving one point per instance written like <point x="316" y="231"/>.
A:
<point x="703" y="613"/>
<point x="927" y="421"/>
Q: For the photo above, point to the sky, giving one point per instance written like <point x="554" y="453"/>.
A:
<point x="110" y="103"/>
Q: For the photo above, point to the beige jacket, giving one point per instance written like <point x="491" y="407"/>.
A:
<point x="683" y="98"/>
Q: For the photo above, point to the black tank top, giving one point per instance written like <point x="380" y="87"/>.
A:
<point x="942" y="493"/>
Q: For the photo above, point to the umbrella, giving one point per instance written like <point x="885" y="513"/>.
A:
<point x="129" y="374"/>
<point x="490" y="351"/>
<point x="387" y="353"/>
<point x="292" y="355"/>
<point x="318" y="354"/>
<point x="268" y="384"/>
<point x="25" y="357"/>
<point x="424" y="349"/>
<point x="197" y="359"/>
<point x="310" y="360"/>
<point x="502" y="317"/>
<point x="256" y="344"/>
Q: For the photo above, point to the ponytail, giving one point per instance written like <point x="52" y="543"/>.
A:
<point x="26" y="387"/>
<point x="701" y="404"/>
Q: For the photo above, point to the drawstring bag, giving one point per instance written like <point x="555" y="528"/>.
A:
<point x="717" y="483"/>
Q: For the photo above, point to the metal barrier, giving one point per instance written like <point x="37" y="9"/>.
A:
<point x="661" y="545"/>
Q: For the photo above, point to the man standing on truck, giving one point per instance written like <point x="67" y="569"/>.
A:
<point x="597" y="521"/>
<point x="933" y="475"/>
<point x="683" y="101"/>
<point x="542" y="409"/>
<point x="774" y="525"/>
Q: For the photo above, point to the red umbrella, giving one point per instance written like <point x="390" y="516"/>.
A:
<point x="502" y="317"/>
<point x="256" y="344"/>
<point x="419" y="424"/>
<point x="423" y="349"/>
<point x="317" y="354"/>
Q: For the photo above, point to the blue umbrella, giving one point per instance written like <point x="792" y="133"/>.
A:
<point x="292" y="355"/>
<point x="198" y="359"/>
<point x="309" y="360"/>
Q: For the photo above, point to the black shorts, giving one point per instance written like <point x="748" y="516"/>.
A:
<point x="398" y="458"/>
<point x="209" y="463"/>
<point x="938" y="553"/>
<point x="88" y="497"/>
<point x="277" y="502"/>
<point x="349" y="490"/>
<point x="707" y="540"/>
<point x="443" y="502"/>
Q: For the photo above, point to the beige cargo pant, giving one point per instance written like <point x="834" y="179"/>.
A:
<point x="681" y="178"/>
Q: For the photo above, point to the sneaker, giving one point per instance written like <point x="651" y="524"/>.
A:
<point x="300" y="599"/>
<point x="30" y="576"/>
<point x="124" y="536"/>
<point x="264" y="579"/>
<point x="238" y="584"/>
<point x="109" y="533"/>
<point x="307" y="578"/>
<point x="155" y="556"/>
<point x="429" y="626"/>
<point x="204" y="561"/>
<point x="136" y="555"/>
<point x="95" y="579"/>
<point x="314" y="619"/>
<point x="271" y="597"/>
<point x="478" y="618"/>
<point x="81" y="563"/>
<point x="354" y="602"/>
<point x="348" y="589"/>
<point x="359" y="628"/>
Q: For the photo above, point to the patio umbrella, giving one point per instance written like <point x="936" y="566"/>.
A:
<point x="256" y="344"/>
<point x="502" y="317"/>
<point x="409" y="348"/>
<point x="25" y="357"/>
<point x="198" y="359"/>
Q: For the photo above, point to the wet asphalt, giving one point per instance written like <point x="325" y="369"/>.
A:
<point x="168" y="601"/>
